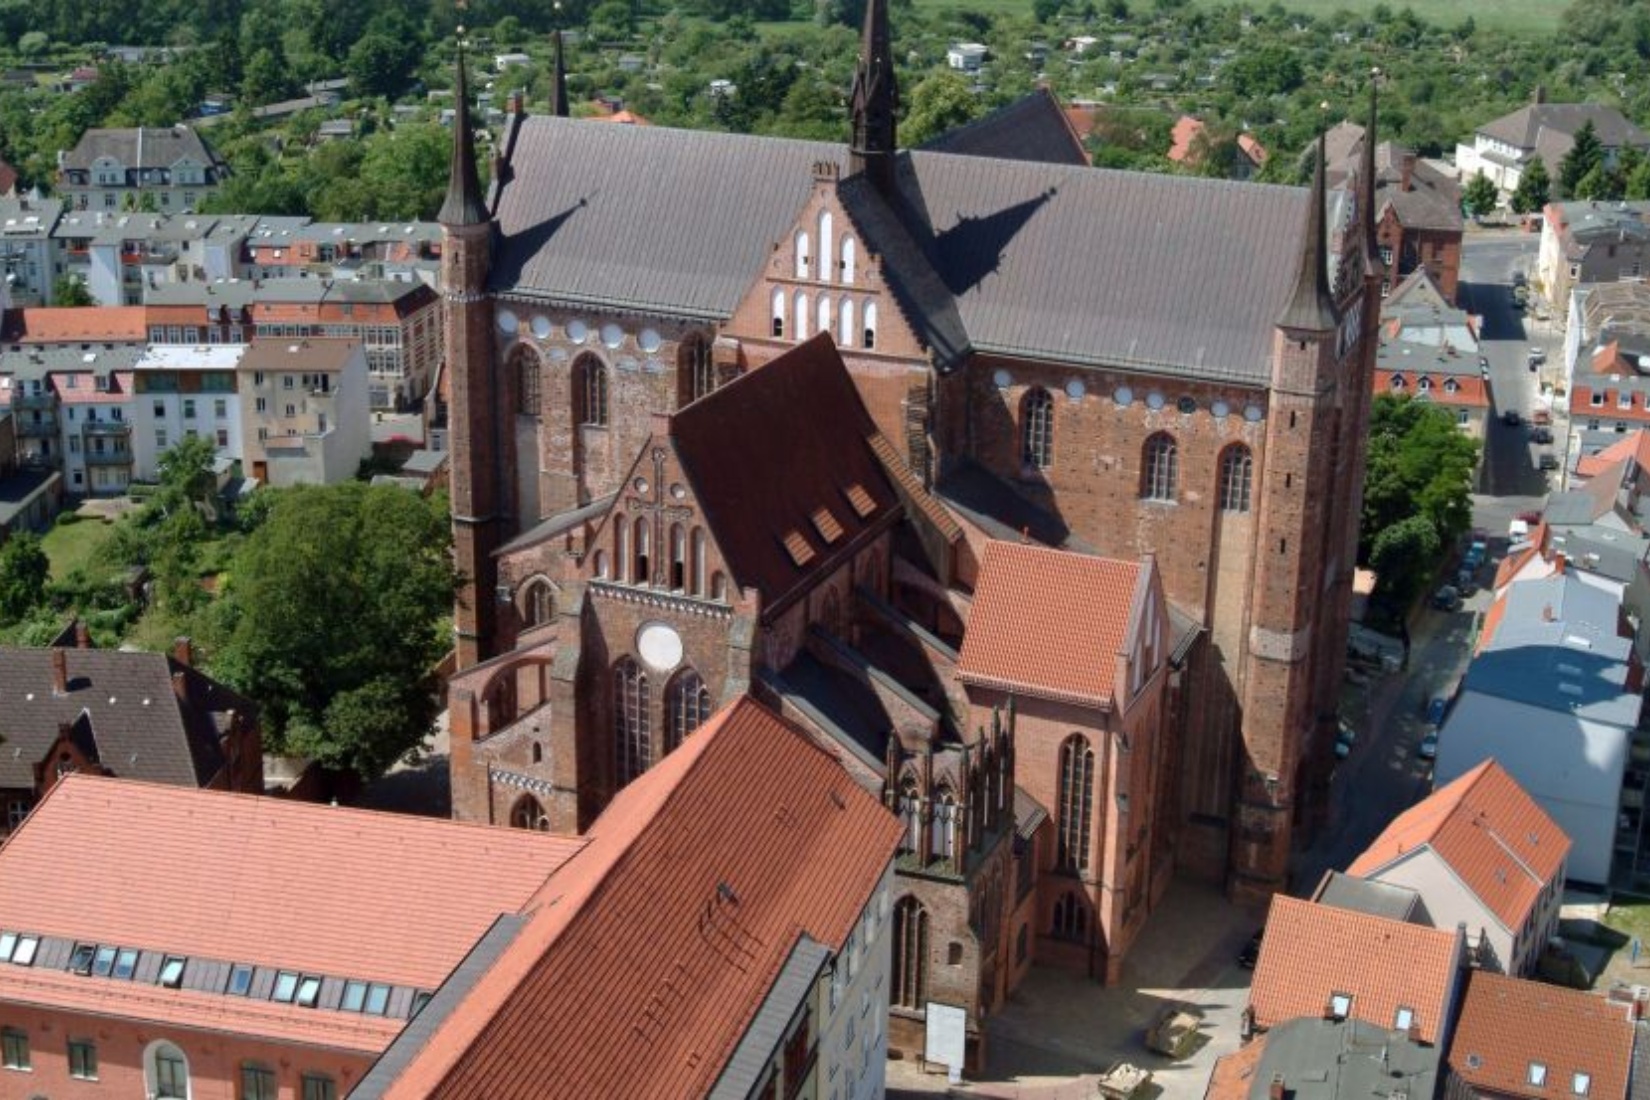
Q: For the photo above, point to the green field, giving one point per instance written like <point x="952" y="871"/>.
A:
<point x="70" y="546"/>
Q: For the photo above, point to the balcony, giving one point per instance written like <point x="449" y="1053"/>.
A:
<point x="106" y="429"/>
<point x="44" y="428"/>
<point x="21" y="401"/>
<point x="111" y="456"/>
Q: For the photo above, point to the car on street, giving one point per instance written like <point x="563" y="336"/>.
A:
<point x="1520" y="279"/>
<point x="1541" y="417"/>
<point x="1541" y="435"/>
<point x="1447" y="598"/>
<point x="1511" y="418"/>
<point x="1428" y="748"/>
<point x="1521" y="295"/>
<point x="1435" y="710"/>
<point x="1547" y="461"/>
<point x="1466" y="583"/>
<point x="1250" y="955"/>
<point x="1538" y="354"/>
<point x="1477" y="551"/>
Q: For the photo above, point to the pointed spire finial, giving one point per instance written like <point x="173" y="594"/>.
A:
<point x="1366" y="184"/>
<point x="875" y="100"/>
<point x="463" y="204"/>
<point x="1310" y="306"/>
<point x="558" y="90"/>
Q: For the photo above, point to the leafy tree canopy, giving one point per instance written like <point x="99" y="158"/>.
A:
<point x="24" y="570"/>
<point x="1420" y="472"/>
<point x="1534" y="188"/>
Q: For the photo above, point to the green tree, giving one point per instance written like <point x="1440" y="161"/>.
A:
<point x="1534" y="188"/>
<point x="1420" y="465"/>
<point x="1403" y="558"/>
<point x="70" y="290"/>
<point x="942" y="101"/>
<point x="24" y="570"/>
<point x="379" y="64"/>
<point x="1479" y="197"/>
<point x="1270" y="69"/>
<point x="1584" y="157"/>
<point x="185" y="473"/>
<point x="1594" y="185"/>
<point x="333" y="618"/>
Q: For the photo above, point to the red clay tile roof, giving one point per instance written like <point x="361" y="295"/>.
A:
<point x="767" y="450"/>
<point x="1470" y="391"/>
<point x="704" y="853"/>
<point x="1234" y="1074"/>
<point x="1186" y="129"/>
<point x="1048" y="622"/>
<point x="1634" y="445"/>
<point x="1513" y="563"/>
<point x="1508" y="1023"/>
<point x="1499" y="842"/>
<point x="8" y="178"/>
<point x="1255" y="150"/>
<point x="1492" y="622"/>
<point x="1311" y="952"/>
<point x="79" y="324"/>
<point x="238" y="868"/>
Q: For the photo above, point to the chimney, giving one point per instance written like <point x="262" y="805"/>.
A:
<point x="60" y="671"/>
<point x="179" y="688"/>
<point x="183" y="651"/>
<point x="1414" y="1032"/>
<point x="82" y="635"/>
<point x="1406" y="171"/>
<point x="1275" y="1091"/>
<point x="512" y="105"/>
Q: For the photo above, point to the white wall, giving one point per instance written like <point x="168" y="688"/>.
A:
<point x="146" y="448"/>
<point x="1571" y="766"/>
<point x="853" y="1037"/>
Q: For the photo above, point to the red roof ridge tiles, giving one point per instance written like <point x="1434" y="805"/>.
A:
<point x="1508" y="1023"/>
<point x="1497" y="839"/>
<point x="1312" y="951"/>
<point x="1050" y="623"/>
<point x="81" y="324"/>
<point x="446" y="881"/>
<point x="625" y="915"/>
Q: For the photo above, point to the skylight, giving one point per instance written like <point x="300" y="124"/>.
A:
<point x="240" y="980"/>
<point x="104" y="963"/>
<point x="1340" y="1004"/>
<point x="286" y="987"/>
<point x="309" y="991"/>
<point x="126" y="963"/>
<point x="8" y="943"/>
<point x="81" y="961"/>
<point x="355" y="995"/>
<point x="1537" y="1075"/>
<point x="378" y="999"/>
<point x="1580" y="1083"/>
<point x="171" y="971"/>
<point x="26" y="947"/>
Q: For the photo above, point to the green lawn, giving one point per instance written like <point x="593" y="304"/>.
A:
<point x="70" y="546"/>
<point x="1630" y="915"/>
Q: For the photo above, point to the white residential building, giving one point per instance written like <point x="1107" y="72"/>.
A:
<point x="183" y="391"/>
<point x="304" y="411"/>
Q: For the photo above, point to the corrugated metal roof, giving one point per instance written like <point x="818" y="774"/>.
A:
<point x="1057" y="262"/>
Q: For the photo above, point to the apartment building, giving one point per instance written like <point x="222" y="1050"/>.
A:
<point x="182" y="391"/>
<point x="119" y="169"/>
<point x="304" y="411"/>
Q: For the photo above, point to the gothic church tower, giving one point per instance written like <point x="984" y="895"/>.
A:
<point x="874" y="101"/>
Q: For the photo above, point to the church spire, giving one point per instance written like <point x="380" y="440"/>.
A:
<point x="1310" y="307"/>
<point x="558" y="90"/>
<point x="875" y="100"/>
<point x="1366" y="186"/>
<point x="463" y="205"/>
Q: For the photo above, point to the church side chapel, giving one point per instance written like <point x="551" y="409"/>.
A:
<point x="1029" y="489"/>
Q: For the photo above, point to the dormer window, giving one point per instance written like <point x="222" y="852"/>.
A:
<point x="1340" y="1005"/>
<point x="1537" y="1075"/>
<point x="1624" y="399"/>
<point x="1423" y="385"/>
<point x="1398" y="382"/>
<point x="1580" y="1083"/>
<point x="1403" y="1019"/>
<point x="1451" y="385"/>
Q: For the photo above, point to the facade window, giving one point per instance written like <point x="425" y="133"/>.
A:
<point x="83" y="1059"/>
<point x="822" y="310"/>
<point x="800" y="315"/>
<point x="701" y="562"/>
<point x="14" y="1048"/>
<point x="529" y="814"/>
<point x="643" y="571"/>
<point x="168" y="1072"/>
<point x="687" y="703"/>
<point x="1237" y="465"/>
<point x="910" y="954"/>
<point x="223" y="437"/>
<point x="848" y="248"/>
<point x="942" y="841"/>
<point x="539" y="607"/>
<point x="827" y="234"/>
<point x="804" y="261"/>
<point x="527" y="384"/>
<point x="695" y="369"/>
<point x="1037" y="429"/>
<point x="590" y="376"/>
<point x="258" y="1082"/>
<point x="845" y="322"/>
<point x="1160" y="468"/>
<point x="1076" y="803"/>
<point x="678" y="558"/>
<point x="870" y="334"/>
<point x="778" y="330"/>
<point x="1071" y="918"/>
<point x="910" y="811"/>
<point x="632" y="732"/>
<point x="318" y="1086"/>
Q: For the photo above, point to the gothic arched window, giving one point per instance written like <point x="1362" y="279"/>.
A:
<point x="1160" y="468"/>
<point x="804" y="262"/>
<point x="845" y="322"/>
<point x="538" y="604"/>
<point x="529" y="814"/>
<point x="528" y="393"/>
<point x="1076" y="803"/>
<point x="590" y="396"/>
<point x="632" y="733"/>
<point x="678" y="558"/>
<point x="1037" y="429"/>
<point x="801" y="314"/>
<point x="641" y="572"/>
<point x="779" y="312"/>
<point x="695" y="369"/>
<point x="687" y="705"/>
<point x="942" y="841"/>
<point x="870" y="340"/>
<point x="1071" y="919"/>
<point x="910" y="810"/>
<point x="847" y="259"/>
<point x="910" y="954"/>
<point x="1237" y="467"/>
<point x="700" y="564"/>
<point x="827" y="234"/>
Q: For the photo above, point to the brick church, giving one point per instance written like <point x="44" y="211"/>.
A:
<point x="1031" y="490"/>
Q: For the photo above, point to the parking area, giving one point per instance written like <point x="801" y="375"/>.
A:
<point x="1058" y="1032"/>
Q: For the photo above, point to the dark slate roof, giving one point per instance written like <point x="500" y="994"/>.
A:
<point x="782" y="442"/>
<point x="1523" y="128"/>
<point x="1345" y="1060"/>
<point x="141" y="147"/>
<point x="991" y="504"/>
<point x="761" y="1040"/>
<point x="1433" y="200"/>
<point x="1378" y="899"/>
<point x="140" y="728"/>
<point x="1032" y="128"/>
<point x="1059" y="262"/>
<point x="841" y="705"/>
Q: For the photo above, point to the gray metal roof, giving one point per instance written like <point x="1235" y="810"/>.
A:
<point x="1032" y="128"/>
<point x="35" y="363"/>
<point x="1618" y="555"/>
<point x="21" y="217"/>
<point x="1524" y="127"/>
<point x="1378" y="899"/>
<point x="1056" y="262"/>
<point x="422" y="1027"/>
<point x="17" y="493"/>
<point x="761" y="1040"/>
<point x="1345" y="1060"/>
<point x="141" y="147"/>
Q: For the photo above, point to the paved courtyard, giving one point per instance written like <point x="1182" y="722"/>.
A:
<point x="1058" y="1032"/>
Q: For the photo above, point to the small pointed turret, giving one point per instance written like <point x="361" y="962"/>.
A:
<point x="558" y="91"/>
<point x="1366" y="190"/>
<point x="463" y="204"/>
<point x="875" y="100"/>
<point x="1310" y="306"/>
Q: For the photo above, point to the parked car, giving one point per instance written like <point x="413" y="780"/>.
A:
<point x="1520" y="279"/>
<point x="1250" y="955"/>
<point x="1435" y="710"/>
<point x="1447" y="598"/>
<point x="1466" y="583"/>
<point x="1547" y="461"/>
<point x="1538" y="354"/>
<point x="1428" y="748"/>
<point x="1542" y="435"/>
<point x="1541" y="417"/>
<point x="1477" y="551"/>
<point x="1511" y="418"/>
